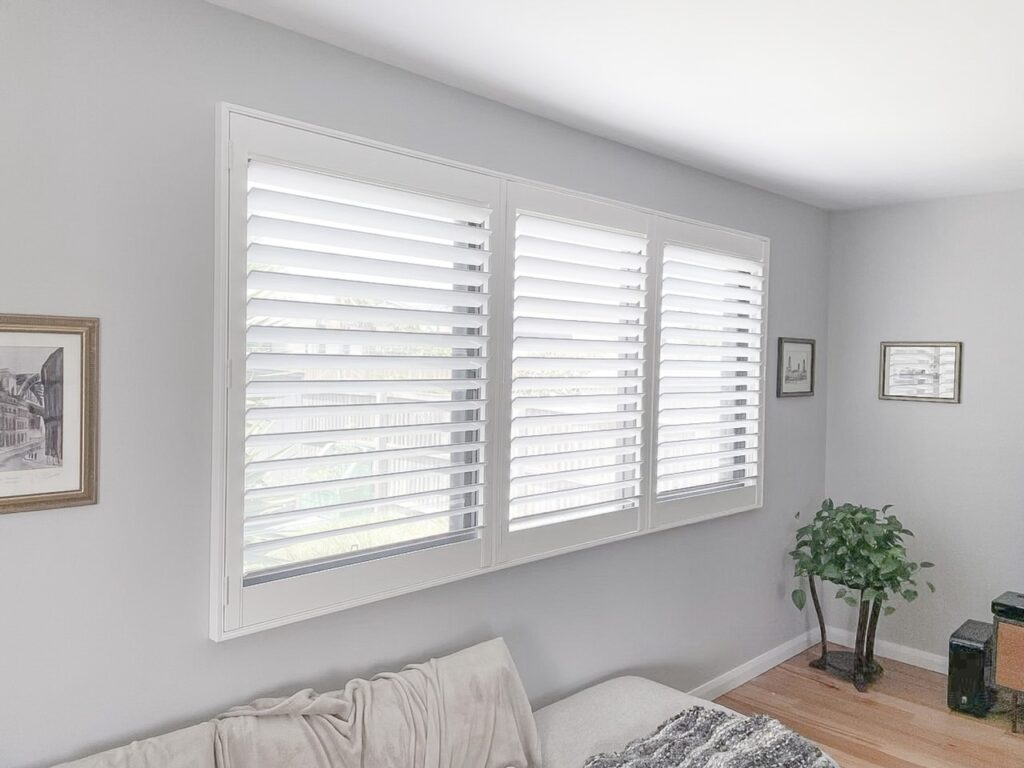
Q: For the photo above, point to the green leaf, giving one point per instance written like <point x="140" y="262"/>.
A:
<point x="930" y="586"/>
<point x="926" y="564"/>
<point x="888" y="610"/>
<point x="840" y="594"/>
<point x="851" y="601"/>
<point x="909" y="595"/>
<point x="799" y="598"/>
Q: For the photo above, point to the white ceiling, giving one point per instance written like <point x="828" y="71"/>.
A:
<point x="838" y="103"/>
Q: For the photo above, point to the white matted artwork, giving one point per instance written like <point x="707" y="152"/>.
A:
<point x="796" y="368"/>
<point x="927" y="371"/>
<point x="47" y="412"/>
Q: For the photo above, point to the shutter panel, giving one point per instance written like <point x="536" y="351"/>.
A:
<point x="577" y="371"/>
<point x="366" y="350"/>
<point x="710" y="373"/>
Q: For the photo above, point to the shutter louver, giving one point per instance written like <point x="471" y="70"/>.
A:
<point x="577" y="368"/>
<point x="366" y="350"/>
<point x="709" y="372"/>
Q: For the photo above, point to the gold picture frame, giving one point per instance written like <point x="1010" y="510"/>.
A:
<point x="48" y="412"/>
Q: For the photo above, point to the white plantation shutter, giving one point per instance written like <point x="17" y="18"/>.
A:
<point x="579" y="297"/>
<point x="710" y="380"/>
<point x="366" y="350"/>
<point x="427" y="371"/>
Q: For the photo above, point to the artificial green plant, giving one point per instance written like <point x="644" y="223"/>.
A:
<point x="862" y="551"/>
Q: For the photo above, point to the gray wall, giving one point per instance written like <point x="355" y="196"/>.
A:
<point x="947" y="270"/>
<point x="107" y="209"/>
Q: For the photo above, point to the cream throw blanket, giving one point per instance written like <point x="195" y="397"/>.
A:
<point x="467" y="710"/>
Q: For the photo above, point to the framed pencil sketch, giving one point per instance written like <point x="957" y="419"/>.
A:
<point x="926" y="371"/>
<point x="796" y="368"/>
<point x="48" y="404"/>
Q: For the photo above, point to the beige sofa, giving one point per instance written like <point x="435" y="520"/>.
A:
<point x="604" y="717"/>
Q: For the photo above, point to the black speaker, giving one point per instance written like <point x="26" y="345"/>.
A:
<point x="970" y="669"/>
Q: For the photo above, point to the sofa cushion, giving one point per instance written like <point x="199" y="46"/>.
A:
<point x="606" y="717"/>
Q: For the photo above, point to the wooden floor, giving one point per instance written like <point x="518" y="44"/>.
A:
<point x="902" y="722"/>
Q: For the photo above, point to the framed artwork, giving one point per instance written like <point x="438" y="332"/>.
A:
<point x="48" y="404"/>
<point x="927" y="371"/>
<point x="796" y="368"/>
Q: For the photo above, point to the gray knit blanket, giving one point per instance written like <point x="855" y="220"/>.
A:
<point x="708" y="738"/>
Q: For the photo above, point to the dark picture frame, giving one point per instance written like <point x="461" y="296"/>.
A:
<point x="932" y="373"/>
<point x="49" y="392"/>
<point x="796" y="367"/>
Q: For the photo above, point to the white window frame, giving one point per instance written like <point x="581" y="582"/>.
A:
<point x="545" y="541"/>
<point x="289" y="599"/>
<point x="236" y="610"/>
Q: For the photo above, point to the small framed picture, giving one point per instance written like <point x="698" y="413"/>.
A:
<point x="796" y="368"/>
<point x="48" y="404"/>
<point x="927" y="371"/>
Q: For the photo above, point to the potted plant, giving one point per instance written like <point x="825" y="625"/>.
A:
<point x="862" y="551"/>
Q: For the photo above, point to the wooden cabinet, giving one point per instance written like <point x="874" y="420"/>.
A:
<point x="1010" y="655"/>
<point x="1010" y="662"/>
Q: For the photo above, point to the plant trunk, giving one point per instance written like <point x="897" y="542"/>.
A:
<point x="860" y="681"/>
<point x="869" y="649"/>
<point x="821" y="663"/>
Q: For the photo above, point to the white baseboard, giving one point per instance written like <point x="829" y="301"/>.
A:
<point x="894" y="651"/>
<point x="747" y="671"/>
